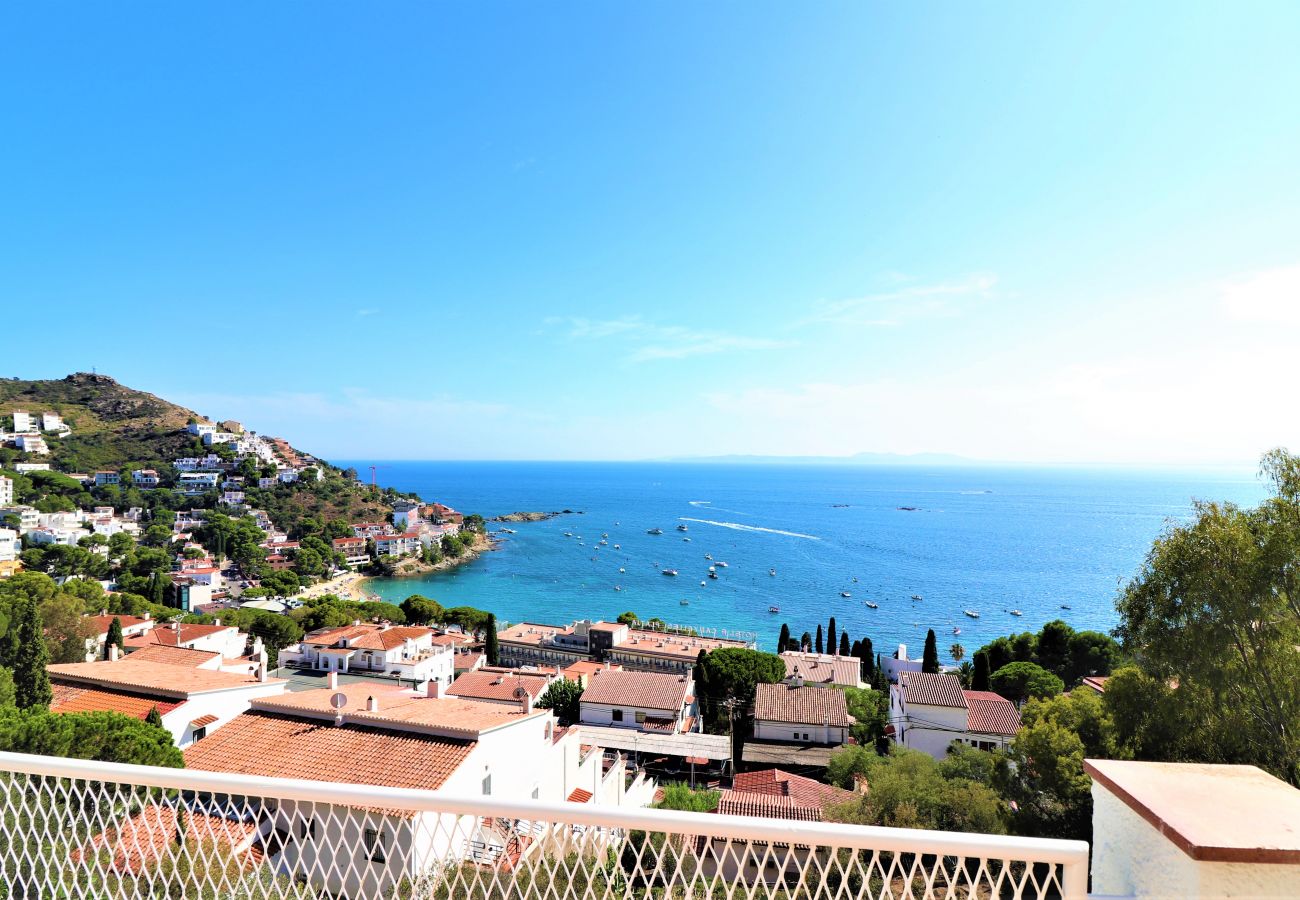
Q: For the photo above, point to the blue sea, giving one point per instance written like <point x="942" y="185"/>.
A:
<point x="981" y="538"/>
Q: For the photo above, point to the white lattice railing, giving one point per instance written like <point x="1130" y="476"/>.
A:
<point x="76" y="828"/>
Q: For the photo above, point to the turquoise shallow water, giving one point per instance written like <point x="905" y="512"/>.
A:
<point x="983" y="538"/>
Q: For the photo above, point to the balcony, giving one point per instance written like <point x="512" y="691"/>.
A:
<point x="79" y="828"/>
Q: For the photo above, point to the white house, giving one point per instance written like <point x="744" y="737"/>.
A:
<point x="23" y="421"/>
<point x="801" y="714"/>
<point x="405" y="652"/>
<point x="10" y="545"/>
<point x="24" y="467"/>
<point x="398" y="544"/>
<point x="198" y="482"/>
<point x="52" y="421"/>
<point x="199" y="429"/>
<point x="227" y="640"/>
<point x="193" y="701"/>
<point x="645" y="701"/>
<point x="145" y="479"/>
<point x="406" y="514"/>
<point x="931" y="711"/>
<point x="411" y="739"/>
<point x="32" y="443"/>
<point x="496" y="685"/>
<point x="105" y="477"/>
<point x="6" y="491"/>
<point x="97" y="627"/>
<point x="898" y="663"/>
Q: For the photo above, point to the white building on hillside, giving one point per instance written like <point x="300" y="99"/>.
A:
<point x="6" y="491"/>
<point x="52" y="421"/>
<point x="32" y="443"/>
<point x="642" y="700"/>
<point x="23" y="421"/>
<point x="898" y="663"/>
<point x="929" y="712"/>
<point x="406" y="652"/>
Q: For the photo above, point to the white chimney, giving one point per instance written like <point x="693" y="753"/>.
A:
<point x="332" y="681"/>
<point x="112" y="652"/>
<point x="148" y="616"/>
<point x="434" y="689"/>
<point x="216" y="622"/>
<point x="372" y="705"/>
<point x="525" y="700"/>
<point x="261" y="669"/>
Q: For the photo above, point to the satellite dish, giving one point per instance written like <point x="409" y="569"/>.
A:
<point x="339" y="700"/>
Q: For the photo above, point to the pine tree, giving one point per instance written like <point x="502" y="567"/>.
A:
<point x="930" y="659"/>
<point x="154" y="717"/>
<point x="783" y="642"/>
<point x="114" y="636"/>
<point x="30" y="657"/>
<point x="818" y="645"/>
<point x="830" y="637"/>
<point x="980" y="680"/>
<point x="844" y="643"/>
<point x="490" y="647"/>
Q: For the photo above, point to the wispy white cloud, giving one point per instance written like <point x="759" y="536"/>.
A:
<point x="908" y="301"/>
<point x="651" y="342"/>
<point x="1271" y="296"/>
<point x="368" y="311"/>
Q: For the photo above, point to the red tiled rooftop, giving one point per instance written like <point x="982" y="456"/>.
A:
<point x="173" y="656"/>
<point x="808" y="705"/>
<point x="490" y="685"/>
<point x="75" y="698"/>
<point x="768" y="806"/>
<point x="929" y="689"/>
<point x="785" y="784"/>
<point x="646" y="690"/>
<point x="990" y="713"/>
<point x="144" y="675"/>
<point x="100" y="624"/>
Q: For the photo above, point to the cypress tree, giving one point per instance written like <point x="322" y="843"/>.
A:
<point x="31" y="656"/>
<point x="856" y="650"/>
<point x="844" y="643"/>
<point x="830" y="637"/>
<point x="490" y="647"/>
<point x="805" y="642"/>
<point x="930" y="659"/>
<point x="818" y="644"/>
<point x="114" y="636"/>
<point x="702" y="690"/>
<point x="154" y="717"/>
<point x="783" y="642"/>
<point x="156" y="590"/>
<point x="980" y="680"/>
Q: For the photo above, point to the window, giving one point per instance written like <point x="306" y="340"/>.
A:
<point x="200" y="733"/>
<point x="376" y="845"/>
<point x="307" y="828"/>
<point x="640" y="717"/>
<point x="487" y="785"/>
<point x="617" y="715"/>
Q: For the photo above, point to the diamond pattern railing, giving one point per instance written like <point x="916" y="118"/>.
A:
<point x="82" y="829"/>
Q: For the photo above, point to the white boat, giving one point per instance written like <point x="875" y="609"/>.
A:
<point x="871" y="605"/>
<point x="917" y="597"/>
<point x="687" y="540"/>
<point x="774" y="609"/>
<point x="603" y="542"/>
<point x="617" y="547"/>
<point x="1015" y="612"/>
<point x="772" y="572"/>
<point x="720" y="565"/>
<point x="845" y="594"/>
<point x="655" y="531"/>
<point x="703" y="583"/>
<point x="669" y="572"/>
<point x="708" y="556"/>
<point x="621" y="570"/>
<point x="956" y="631"/>
<point x="972" y="613"/>
<point x="712" y="573"/>
<point x="618" y="587"/>
<point x="683" y="527"/>
<point x="683" y="603"/>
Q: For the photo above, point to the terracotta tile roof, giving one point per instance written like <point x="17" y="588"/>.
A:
<point x="587" y="667"/>
<point x="460" y="717"/>
<point x="991" y="713"/>
<point x="152" y="677"/>
<point x="927" y="689"/>
<point x="821" y="668"/>
<point x="483" y="685"/>
<point x="646" y="690"/>
<point x="139" y="842"/>
<point x="453" y="639"/>
<point x="778" y="783"/>
<point x="279" y="746"/>
<point x="72" y="698"/>
<point x="578" y="795"/>
<point x="808" y="705"/>
<point x="388" y="638"/>
<point x="173" y="637"/>
<point x="174" y="656"/>
<point x="468" y="660"/>
<point x="100" y="623"/>
<point x="203" y="721"/>
<point x="1096" y="683"/>
<point x="768" y="806"/>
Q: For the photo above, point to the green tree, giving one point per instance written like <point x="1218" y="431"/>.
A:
<point x="1018" y="681"/>
<point x="870" y="711"/>
<point x="30" y="656"/>
<point x="564" y="698"/>
<point x="420" y="610"/>
<point x="101" y="736"/>
<point x="682" y="797"/>
<point x="154" y="717"/>
<point x="980" y="678"/>
<point x="1051" y="791"/>
<point x="491" y="649"/>
<point x="1054" y="648"/>
<point x="66" y="632"/>
<point x="957" y="652"/>
<point x="806" y="642"/>
<point x="866" y="655"/>
<point x="732" y="674"/>
<point x="930" y="657"/>
<point x="844" y="644"/>
<point x="831" y="636"/>
<point x="783" y="640"/>
<point x="818" y="643"/>
<point x="627" y="618"/>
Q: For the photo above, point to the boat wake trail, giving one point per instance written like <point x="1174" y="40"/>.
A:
<point x="698" y="502"/>
<point x="736" y="526"/>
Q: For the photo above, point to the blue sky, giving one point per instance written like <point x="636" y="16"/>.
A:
<point x="1054" y="233"/>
